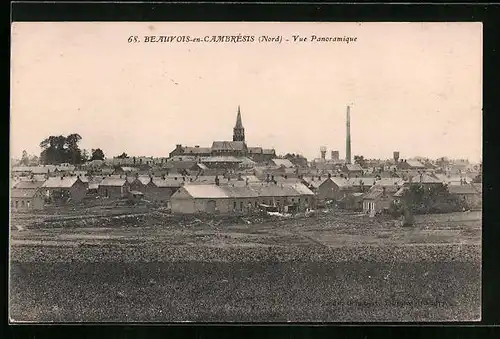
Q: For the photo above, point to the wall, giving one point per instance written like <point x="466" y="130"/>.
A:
<point x="35" y="203"/>
<point x="113" y="192"/>
<point x="164" y="194"/>
<point x="330" y="190"/>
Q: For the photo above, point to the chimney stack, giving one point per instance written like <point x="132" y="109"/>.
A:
<point x="348" y="137"/>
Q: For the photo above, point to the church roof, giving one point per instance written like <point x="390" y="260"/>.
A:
<point x="228" y="146"/>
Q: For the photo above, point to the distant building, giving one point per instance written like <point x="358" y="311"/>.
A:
<point x="236" y="147"/>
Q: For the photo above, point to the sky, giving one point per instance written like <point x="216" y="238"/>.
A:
<point x="413" y="87"/>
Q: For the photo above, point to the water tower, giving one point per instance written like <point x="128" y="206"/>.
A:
<point x="395" y="156"/>
<point x="322" y="149"/>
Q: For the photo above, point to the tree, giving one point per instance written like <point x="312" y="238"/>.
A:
<point x="360" y="160"/>
<point x="59" y="149"/>
<point x="25" y="159"/>
<point x="122" y="156"/>
<point x="85" y="155"/>
<point x="97" y="154"/>
<point x="73" y="152"/>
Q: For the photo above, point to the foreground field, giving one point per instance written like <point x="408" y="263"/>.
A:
<point x="338" y="269"/>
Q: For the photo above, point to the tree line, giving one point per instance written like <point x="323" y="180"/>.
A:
<point x="58" y="149"/>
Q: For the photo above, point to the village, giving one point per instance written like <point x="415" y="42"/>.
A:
<point x="235" y="232"/>
<point x="231" y="178"/>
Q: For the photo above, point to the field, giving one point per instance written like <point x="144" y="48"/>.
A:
<point x="335" y="267"/>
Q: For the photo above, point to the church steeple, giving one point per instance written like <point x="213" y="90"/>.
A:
<point x="239" y="130"/>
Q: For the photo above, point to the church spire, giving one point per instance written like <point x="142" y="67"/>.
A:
<point x="239" y="124"/>
<point x="238" y="130"/>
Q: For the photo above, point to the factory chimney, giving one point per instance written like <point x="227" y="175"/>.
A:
<point x="348" y="137"/>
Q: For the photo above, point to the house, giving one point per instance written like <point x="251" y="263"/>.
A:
<point x="313" y="182"/>
<point x="282" y="163"/>
<point x="194" y="151"/>
<point x="160" y="190"/>
<point x="22" y="170"/>
<point x="352" y="170"/>
<point x="335" y="188"/>
<point x="94" y="185"/>
<point x="65" y="189"/>
<point x="410" y="165"/>
<point x="29" y="184"/>
<point x="93" y="164"/>
<point x="453" y="179"/>
<point x="424" y="179"/>
<point x="467" y="193"/>
<point x="114" y="188"/>
<point x="138" y="183"/>
<point x="268" y="154"/>
<point x="379" y="198"/>
<point x="221" y="162"/>
<point x="246" y="163"/>
<point x="64" y="168"/>
<point x="352" y="201"/>
<point x="26" y="199"/>
<point x="245" y="199"/>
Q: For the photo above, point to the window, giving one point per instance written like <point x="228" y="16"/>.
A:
<point x="22" y="203"/>
<point x="234" y="205"/>
<point x="256" y="204"/>
<point x="241" y="206"/>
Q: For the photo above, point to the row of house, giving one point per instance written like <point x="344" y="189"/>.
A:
<point x="215" y="198"/>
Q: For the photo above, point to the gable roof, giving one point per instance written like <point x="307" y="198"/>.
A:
<point x="220" y="159"/>
<point x="60" y="182"/>
<point x="282" y="162"/>
<point x="212" y="191"/>
<point x="268" y="151"/>
<point x="111" y="181"/>
<point x="415" y="163"/>
<point x="462" y="189"/>
<point x="387" y="182"/>
<point x="196" y="150"/>
<point x="28" y="184"/>
<point x="167" y="182"/>
<point x="255" y="150"/>
<point x="23" y="193"/>
<point x="353" y="167"/>
<point x="426" y="179"/>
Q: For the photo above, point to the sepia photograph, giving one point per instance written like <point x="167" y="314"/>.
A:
<point x="242" y="172"/>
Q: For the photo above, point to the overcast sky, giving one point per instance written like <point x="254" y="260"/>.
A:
<point x="413" y="87"/>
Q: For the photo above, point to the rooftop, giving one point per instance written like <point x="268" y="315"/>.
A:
<point x="60" y="182"/>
